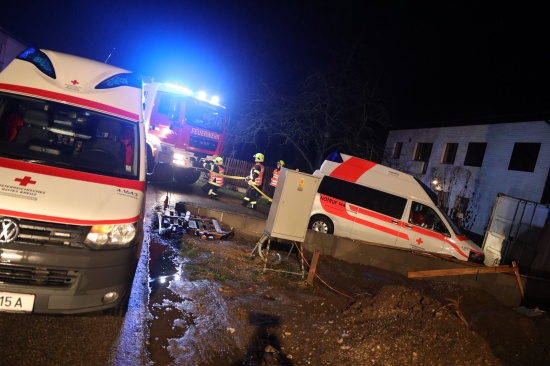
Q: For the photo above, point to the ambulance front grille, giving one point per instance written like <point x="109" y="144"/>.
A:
<point x="46" y="277"/>
<point x="46" y="233"/>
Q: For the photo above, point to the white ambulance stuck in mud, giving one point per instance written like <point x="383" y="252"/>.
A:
<point x="72" y="184"/>
<point x="366" y="201"/>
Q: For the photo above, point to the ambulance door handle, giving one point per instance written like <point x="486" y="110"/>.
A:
<point x="408" y="226"/>
<point x="395" y="222"/>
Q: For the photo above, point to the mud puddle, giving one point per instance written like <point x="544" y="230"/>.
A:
<point x="189" y="321"/>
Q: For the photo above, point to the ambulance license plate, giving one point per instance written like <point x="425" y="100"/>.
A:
<point x="16" y="302"/>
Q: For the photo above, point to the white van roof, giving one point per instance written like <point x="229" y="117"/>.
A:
<point x="74" y="80"/>
<point x="368" y="173"/>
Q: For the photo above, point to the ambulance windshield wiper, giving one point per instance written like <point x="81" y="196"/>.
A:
<point x="46" y="162"/>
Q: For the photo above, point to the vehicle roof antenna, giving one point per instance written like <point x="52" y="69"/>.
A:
<point x="108" y="57"/>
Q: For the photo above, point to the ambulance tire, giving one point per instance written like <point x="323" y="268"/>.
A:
<point x="121" y="309"/>
<point x="321" y="224"/>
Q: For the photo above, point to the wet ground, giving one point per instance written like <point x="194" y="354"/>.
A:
<point x="214" y="303"/>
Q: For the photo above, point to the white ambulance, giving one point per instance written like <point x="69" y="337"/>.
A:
<point x="363" y="200"/>
<point x="72" y="184"/>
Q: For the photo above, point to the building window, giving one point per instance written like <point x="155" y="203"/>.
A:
<point x="524" y="157"/>
<point x="397" y="150"/>
<point x="475" y="154"/>
<point x="449" y="153"/>
<point x="423" y="151"/>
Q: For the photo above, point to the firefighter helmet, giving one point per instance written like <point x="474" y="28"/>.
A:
<point x="282" y="163"/>
<point x="218" y="160"/>
<point x="259" y="157"/>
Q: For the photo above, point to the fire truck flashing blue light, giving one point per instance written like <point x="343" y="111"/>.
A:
<point x="180" y="89"/>
<point x="200" y="95"/>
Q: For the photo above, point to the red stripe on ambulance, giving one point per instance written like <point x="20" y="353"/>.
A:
<point x="71" y="174"/>
<point x="352" y="169"/>
<point x="64" y="98"/>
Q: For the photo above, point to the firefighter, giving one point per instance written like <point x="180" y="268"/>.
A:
<point x="254" y="180"/>
<point x="215" y="178"/>
<point x="275" y="178"/>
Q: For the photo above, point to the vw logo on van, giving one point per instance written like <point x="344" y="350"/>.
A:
<point x="9" y="229"/>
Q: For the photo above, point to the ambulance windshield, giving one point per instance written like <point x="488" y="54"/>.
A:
<point x="67" y="137"/>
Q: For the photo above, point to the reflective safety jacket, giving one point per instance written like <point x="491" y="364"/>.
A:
<point x="257" y="173"/>
<point x="216" y="173"/>
<point x="275" y="177"/>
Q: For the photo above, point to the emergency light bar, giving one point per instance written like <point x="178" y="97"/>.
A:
<point x="44" y="64"/>
<point x="38" y="59"/>
<point x="200" y="94"/>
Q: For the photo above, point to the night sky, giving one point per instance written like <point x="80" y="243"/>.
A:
<point x="430" y="62"/>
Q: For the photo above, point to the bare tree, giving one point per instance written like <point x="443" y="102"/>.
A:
<point x="331" y="111"/>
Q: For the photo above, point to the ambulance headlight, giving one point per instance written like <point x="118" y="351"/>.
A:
<point x="110" y="236"/>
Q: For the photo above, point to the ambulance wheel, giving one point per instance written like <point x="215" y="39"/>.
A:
<point x="121" y="309"/>
<point x="321" y="224"/>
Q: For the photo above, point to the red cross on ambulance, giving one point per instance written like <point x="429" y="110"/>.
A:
<point x="24" y="181"/>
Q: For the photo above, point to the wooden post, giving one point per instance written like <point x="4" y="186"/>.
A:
<point x="516" y="272"/>
<point x="313" y="267"/>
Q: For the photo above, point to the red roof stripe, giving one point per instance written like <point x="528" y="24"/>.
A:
<point x="352" y="169"/>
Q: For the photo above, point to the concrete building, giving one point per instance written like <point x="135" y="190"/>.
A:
<point x="468" y="166"/>
<point x="10" y="47"/>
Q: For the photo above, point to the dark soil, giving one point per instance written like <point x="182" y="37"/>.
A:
<point x="223" y="308"/>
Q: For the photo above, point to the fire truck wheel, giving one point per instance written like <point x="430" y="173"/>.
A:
<point x="187" y="176"/>
<point x="150" y="160"/>
<point x="321" y="224"/>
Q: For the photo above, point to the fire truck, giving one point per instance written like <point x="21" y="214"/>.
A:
<point x="182" y="127"/>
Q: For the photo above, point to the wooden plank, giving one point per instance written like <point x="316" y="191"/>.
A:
<point x="459" y="271"/>
<point x="216" y="225"/>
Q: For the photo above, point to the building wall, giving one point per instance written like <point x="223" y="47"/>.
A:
<point x="480" y="185"/>
<point x="9" y="48"/>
